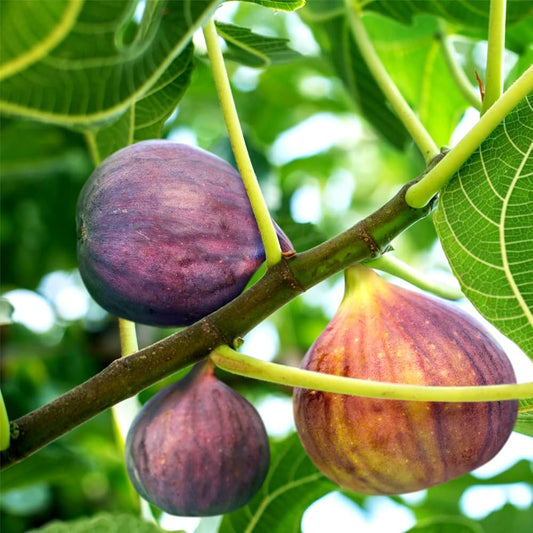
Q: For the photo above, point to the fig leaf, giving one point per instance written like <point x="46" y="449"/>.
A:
<point x="104" y="56"/>
<point x="484" y="223"/>
<point x="252" y="49"/>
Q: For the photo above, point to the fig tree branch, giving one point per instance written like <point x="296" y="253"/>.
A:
<point x="282" y="282"/>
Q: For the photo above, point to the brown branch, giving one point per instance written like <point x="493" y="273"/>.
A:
<point x="127" y="376"/>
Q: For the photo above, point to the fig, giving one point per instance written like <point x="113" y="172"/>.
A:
<point x="166" y="234"/>
<point x="383" y="332"/>
<point x="197" y="447"/>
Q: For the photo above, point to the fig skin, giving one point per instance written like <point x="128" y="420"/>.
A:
<point x="166" y="234"/>
<point x="386" y="333"/>
<point x="197" y="448"/>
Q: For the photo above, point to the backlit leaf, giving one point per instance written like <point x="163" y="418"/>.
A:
<point x="254" y="50"/>
<point x="105" y="63"/>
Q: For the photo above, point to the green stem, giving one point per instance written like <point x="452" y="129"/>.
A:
<point x="238" y="144"/>
<point x="125" y="411"/>
<point x="422" y="192"/>
<point x="128" y="337"/>
<point x="495" y="54"/>
<point x="230" y="360"/>
<point x="412" y="123"/>
<point x="461" y="80"/>
<point x="395" y="267"/>
<point x="4" y="425"/>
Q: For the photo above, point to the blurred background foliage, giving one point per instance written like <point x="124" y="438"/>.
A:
<point x="322" y="166"/>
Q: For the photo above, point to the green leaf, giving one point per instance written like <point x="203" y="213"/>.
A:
<point x="524" y="422"/>
<point x="465" y="13"/>
<point x="145" y="119"/>
<point x="333" y="33"/>
<point x="447" y="524"/>
<point x="254" y="50"/>
<point x="101" y="523"/>
<point x="105" y="63"/>
<point x="292" y="484"/>
<point x="282" y="5"/>
<point x="485" y="226"/>
<point x="30" y="30"/>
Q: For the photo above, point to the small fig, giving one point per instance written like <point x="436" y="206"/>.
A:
<point x="382" y="332"/>
<point x="197" y="448"/>
<point x="166" y="234"/>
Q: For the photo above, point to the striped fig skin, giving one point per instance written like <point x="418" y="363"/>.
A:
<point x="386" y="333"/>
<point x="166" y="234"/>
<point x="197" y="448"/>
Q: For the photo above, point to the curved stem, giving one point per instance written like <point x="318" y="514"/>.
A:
<point x="395" y="267"/>
<point x="402" y="109"/>
<point x="458" y="74"/>
<point x="422" y="192"/>
<point x="495" y="54"/>
<point x="238" y="144"/>
<point x="230" y="360"/>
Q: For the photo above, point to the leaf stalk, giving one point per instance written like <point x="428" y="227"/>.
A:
<point x="228" y="359"/>
<point x="392" y="265"/>
<point x="238" y="144"/>
<point x="398" y="103"/>
<point x="495" y="54"/>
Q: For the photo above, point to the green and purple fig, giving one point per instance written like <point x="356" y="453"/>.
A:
<point x="166" y="234"/>
<point x="383" y="332"/>
<point x="197" y="448"/>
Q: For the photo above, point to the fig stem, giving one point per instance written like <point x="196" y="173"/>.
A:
<point x="125" y="411"/>
<point x="412" y="123"/>
<point x="395" y="267"/>
<point x="458" y="74"/>
<point x="238" y="145"/>
<point x="420" y="193"/>
<point x="128" y="337"/>
<point x="228" y="359"/>
<point x="495" y="54"/>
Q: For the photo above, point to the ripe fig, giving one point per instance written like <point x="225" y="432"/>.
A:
<point x="166" y="234"/>
<point x="197" y="448"/>
<point x="382" y="332"/>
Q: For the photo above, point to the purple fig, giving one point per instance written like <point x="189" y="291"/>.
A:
<point x="382" y="332"/>
<point x="197" y="448"/>
<point x="166" y="234"/>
